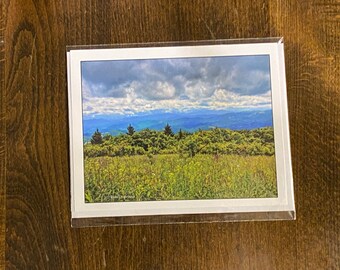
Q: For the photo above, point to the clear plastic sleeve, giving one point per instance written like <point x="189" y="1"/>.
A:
<point x="220" y="81"/>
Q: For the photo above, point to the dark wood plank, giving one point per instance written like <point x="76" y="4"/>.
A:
<point x="312" y="58"/>
<point x="38" y="232"/>
<point x="2" y="139"/>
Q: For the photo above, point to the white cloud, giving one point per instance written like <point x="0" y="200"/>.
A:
<point x="128" y="87"/>
<point x="221" y="99"/>
<point x="170" y="78"/>
<point x="161" y="90"/>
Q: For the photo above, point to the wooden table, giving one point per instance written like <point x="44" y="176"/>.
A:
<point x="34" y="166"/>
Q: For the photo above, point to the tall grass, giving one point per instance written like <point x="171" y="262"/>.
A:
<point x="170" y="177"/>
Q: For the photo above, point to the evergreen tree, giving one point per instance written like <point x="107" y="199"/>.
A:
<point x="130" y="130"/>
<point x="180" y="134"/>
<point x="97" y="137"/>
<point x="168" y="130"/>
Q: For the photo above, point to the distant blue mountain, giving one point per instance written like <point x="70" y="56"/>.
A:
<point x="189" y="120"/>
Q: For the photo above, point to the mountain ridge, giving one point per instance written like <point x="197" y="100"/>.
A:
<point x="187" y="120"/>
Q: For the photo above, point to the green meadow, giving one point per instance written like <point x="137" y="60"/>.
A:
<point x="154" y="165"/>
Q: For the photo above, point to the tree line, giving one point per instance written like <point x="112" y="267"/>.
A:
<point x="217" y="141"/>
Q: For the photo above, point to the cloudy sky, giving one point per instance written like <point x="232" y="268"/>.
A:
<point x="133" y="86"/>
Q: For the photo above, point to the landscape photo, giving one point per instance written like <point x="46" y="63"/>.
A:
<point x="167" y="129"/>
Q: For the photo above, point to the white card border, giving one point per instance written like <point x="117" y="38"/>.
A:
<point x="285" y="200"/>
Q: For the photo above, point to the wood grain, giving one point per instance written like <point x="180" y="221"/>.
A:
<point x="2" y="140"/>
<point x="34" y="170"/>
